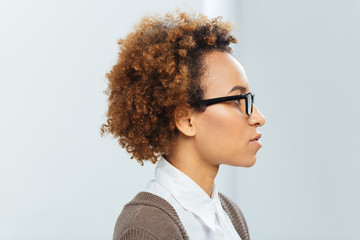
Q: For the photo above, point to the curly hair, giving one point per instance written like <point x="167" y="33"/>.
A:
<point x="159" y="70"/>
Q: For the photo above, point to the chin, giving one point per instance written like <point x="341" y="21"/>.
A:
<point x="250" y="164"/>
<point x="247" y="163"/>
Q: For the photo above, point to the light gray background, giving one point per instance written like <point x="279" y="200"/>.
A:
<point x="60" y="180"/>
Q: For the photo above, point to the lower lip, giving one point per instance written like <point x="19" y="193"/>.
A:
<point x="257" y="143"/>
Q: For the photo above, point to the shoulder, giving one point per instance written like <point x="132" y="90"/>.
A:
<point x="148" y="216"/>
<point x="236" y="216"/>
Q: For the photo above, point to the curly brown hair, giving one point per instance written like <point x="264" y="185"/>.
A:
<point x="159" y="70"/>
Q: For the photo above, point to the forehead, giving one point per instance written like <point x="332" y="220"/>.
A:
<point x="222" y="74"/>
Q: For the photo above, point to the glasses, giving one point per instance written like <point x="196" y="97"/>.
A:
<point x="249" y="101"/>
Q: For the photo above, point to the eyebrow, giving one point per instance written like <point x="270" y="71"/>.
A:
<point x="241" y="88"/>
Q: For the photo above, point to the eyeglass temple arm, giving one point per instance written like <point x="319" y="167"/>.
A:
<point x="208" y="102"/>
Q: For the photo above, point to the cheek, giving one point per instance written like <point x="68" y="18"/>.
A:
<point x="221" y="131"/>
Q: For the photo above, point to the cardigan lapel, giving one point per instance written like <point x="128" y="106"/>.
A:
<point x="236" y="216"/>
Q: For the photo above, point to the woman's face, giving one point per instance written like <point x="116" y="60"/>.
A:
<point x="224" y="131"/>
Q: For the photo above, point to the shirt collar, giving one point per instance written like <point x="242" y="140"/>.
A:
<point x="186" y="192"/>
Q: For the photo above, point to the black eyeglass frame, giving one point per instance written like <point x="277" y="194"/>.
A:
<point x="246" y="96"/>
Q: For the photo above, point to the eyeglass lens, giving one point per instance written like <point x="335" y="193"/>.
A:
<point x="249" y="101"/>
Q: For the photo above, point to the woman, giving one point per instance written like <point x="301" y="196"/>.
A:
<point x="177" y="96"/>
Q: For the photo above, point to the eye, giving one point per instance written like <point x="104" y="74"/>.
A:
<point x="237" y="101"/>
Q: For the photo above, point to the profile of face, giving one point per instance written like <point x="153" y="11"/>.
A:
<point x="223" y="132"/>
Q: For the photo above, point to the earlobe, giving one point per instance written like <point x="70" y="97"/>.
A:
<point x="185" y="123"/>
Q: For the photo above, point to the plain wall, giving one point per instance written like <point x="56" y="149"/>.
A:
<point x="60" y="180"/>
<point x="302" y="60"/>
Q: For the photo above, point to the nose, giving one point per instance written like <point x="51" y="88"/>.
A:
<point x="256" y="118"/>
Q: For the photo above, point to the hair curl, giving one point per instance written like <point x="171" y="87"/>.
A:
<point x="159" y="69"/>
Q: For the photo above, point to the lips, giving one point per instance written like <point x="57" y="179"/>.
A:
<point x="257" y="137"/>
<point x="255" y="141"/>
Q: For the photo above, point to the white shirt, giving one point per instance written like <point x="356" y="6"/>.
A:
<point x="202" y="217"/>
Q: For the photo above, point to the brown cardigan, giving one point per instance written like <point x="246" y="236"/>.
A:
<point x="151" y="217"/>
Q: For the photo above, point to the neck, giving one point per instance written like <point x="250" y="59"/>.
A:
<point x="187" y="159"/>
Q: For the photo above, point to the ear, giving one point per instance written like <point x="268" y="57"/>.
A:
<point x="185" y="121"/>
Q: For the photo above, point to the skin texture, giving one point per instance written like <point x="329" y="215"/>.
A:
<point x="222" y="133"/>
